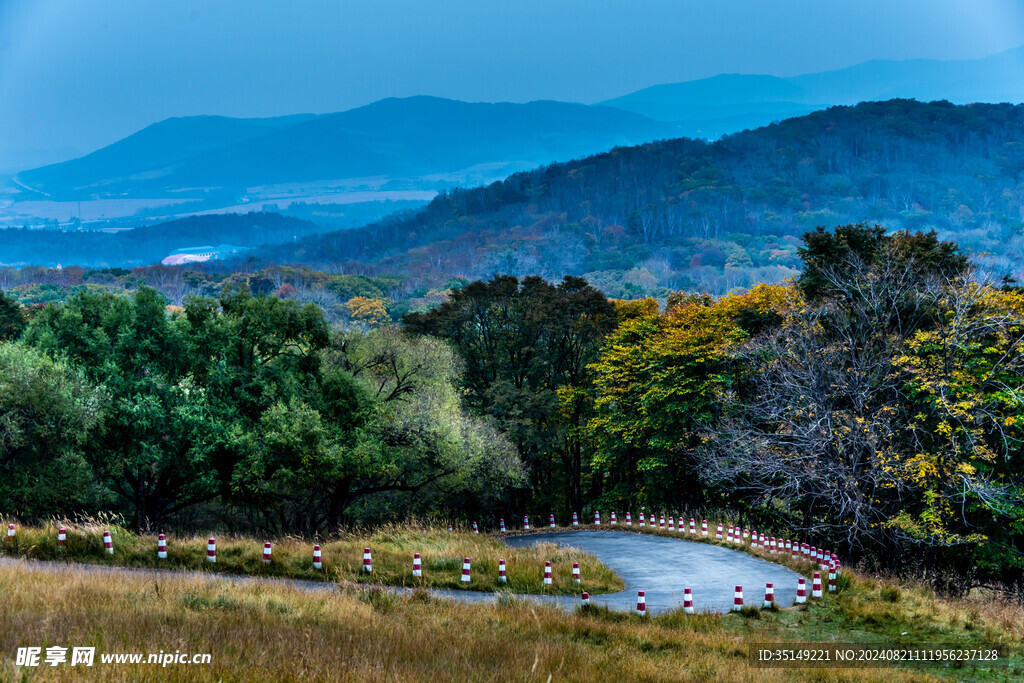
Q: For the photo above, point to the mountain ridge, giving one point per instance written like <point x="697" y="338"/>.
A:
<point x="391" y="137"/>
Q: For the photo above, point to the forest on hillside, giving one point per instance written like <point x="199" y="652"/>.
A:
<point x="873" y="403"/>
<point x="688" y="215"/>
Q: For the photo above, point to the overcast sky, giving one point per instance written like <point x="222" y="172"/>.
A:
<point x="79" y="74"/>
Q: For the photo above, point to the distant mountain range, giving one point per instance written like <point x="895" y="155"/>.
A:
<point x="405" y="138"/>
<point x="688" y="214"/>
<point x="418" y="138"/>
<point x="727" y="103"/>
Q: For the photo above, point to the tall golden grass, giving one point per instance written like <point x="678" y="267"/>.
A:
<point x="392" y="547"/>
<point x="281" y="633"/>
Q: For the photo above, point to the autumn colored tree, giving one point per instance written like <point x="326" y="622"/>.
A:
<point x="657" y="388"/>
<point x="370" y="312"/>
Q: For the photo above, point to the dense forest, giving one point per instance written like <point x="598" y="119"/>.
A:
<point x="874" y="403"/>
<point x="689" y="215"/>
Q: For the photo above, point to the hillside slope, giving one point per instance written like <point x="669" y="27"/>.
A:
<point x="726" y="103"/>
<point x="684" y="214"/>
<point x="394" y="137"/>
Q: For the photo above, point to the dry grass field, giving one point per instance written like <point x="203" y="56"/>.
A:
<point x="392" y="548"/>
<point x="279" y="633"/>
<point x="358" y="631"/>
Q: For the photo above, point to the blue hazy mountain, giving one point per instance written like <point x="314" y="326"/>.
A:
<point x="405" y="137"/>
<point x="728" y="103"/>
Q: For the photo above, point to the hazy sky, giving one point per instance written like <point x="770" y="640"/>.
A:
<point x="78" y="74"/>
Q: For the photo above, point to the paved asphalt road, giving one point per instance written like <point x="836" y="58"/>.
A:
<point x="659" y="566"/>
<point x="662" y="567"/>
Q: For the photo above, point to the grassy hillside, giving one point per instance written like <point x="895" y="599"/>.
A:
<point x="392" y="547"/>
<point x="684" y="214"/>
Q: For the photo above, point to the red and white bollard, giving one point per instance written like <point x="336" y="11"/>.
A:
<point x="801" y="591"/>
<point x="465" y="570"/>
<point x="502" y="577"/>
<point x="526" y="523"/>
<point x="501" y="524"/>
<point x="764" y="542"/>
<point x="576" y="571"/>
<point x="585" y="598"/>
<point x="367" y="561"/>
<point x="161" y="547"/>
<point x="641" y="603"/>
<point x="704" y="528"/>
<point x="753" y="538"/>
<point x="687" y="600"/>
<point x="737" y="600"/>
<point x="746" y="534"/>
<point x="211" y="551"/>
<point x="796" y="551"/>
<point x="318" y="562"/>
<point x="450" y="528"/>
<point x="10" y="531"/>
<point x="728" y="535"/>
<point x="417" y="566"/>
<point x="575" y="520"/>
<point x="661" y="521"/>
<point x="813" y="555"/>
<point x="804" y="549"/>
<point x="629" y="520"/>
<point x="832" y="579"/>
<point x="547" y="573"/>
<point x="771" y="544"/>
<point x="551" y="521"/>
<point x="816" y="585"/>
<point x="62" y="536"/>
<point x="108" y="542"/>
<point x="769" y="594"/>
<point x="597" y="518"/>
<point x="671" y="524"/>
<point x="821" y="555"/>
<point x="476" y="529"/>
<point x="788" y="544"/>
<point x="693" y="527"/>
<point x="614" y="521"/>
<point x="718" y="534"/>
<point x="642" y="519"/>
<point x="267" y="552"/>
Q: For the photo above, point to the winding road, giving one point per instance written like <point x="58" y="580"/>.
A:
<point x="661" y="567"/>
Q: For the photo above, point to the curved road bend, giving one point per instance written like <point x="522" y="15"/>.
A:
<point x="659" y="566"/>
<point x="662" y="567"/>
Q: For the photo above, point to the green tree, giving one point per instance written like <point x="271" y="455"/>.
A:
<point x="46" y="411"/>
<point x="522" y="343"/>
<point x="12" y="318"/>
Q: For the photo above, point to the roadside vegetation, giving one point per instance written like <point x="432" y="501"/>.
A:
<point x="281" y="633"/>
<point x="392" y="548"/>
<point x="871" y="406"/>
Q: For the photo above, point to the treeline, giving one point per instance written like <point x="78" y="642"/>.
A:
<point x="335" y="294"/>
<point x="249" y="410"/>
<point x="688" y="215"/>
<point x="874" y="402"/>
